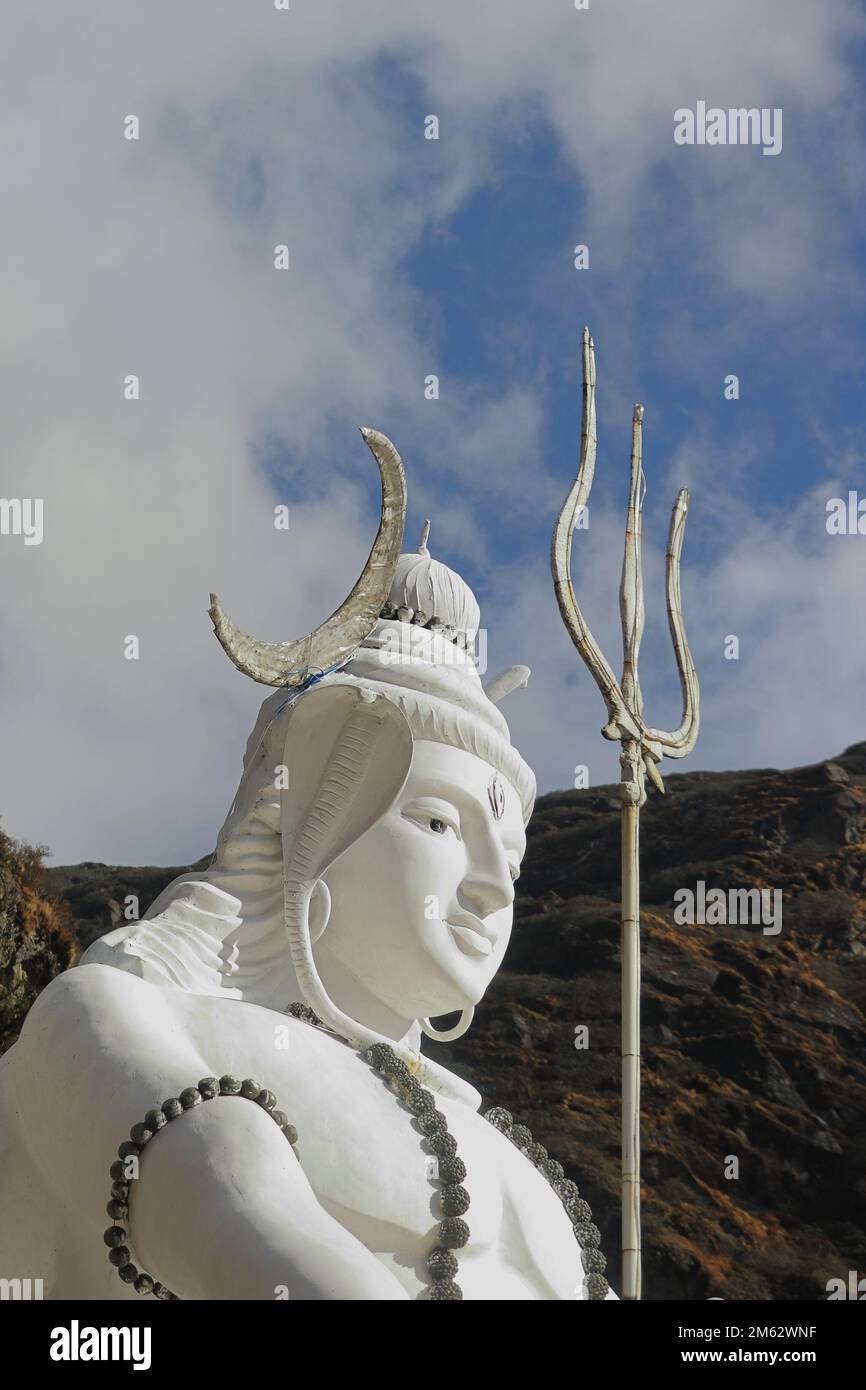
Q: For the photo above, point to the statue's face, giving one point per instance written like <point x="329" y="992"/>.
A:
<point x="421" y="905"/>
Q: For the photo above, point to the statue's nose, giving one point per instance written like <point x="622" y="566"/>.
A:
<point x="488" y="886"/>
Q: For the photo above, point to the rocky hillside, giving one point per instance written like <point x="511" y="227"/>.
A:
<point x="754" y="1044"/>
<point x="38" y="935"/>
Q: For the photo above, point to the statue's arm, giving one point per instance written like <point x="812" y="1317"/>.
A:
<point x="222" y="1208"/>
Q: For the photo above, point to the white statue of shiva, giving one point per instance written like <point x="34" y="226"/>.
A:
<point x="362" y="886"/>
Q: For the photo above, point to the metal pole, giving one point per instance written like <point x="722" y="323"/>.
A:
<point x="631" y="1260"/>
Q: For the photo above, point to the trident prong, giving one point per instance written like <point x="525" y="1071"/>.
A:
<point x="642" y="746"/>
<point x="623" y="698"/>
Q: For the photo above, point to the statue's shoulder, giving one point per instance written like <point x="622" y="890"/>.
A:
<point x="85" y="986"/>
<point x="95" y="997"/>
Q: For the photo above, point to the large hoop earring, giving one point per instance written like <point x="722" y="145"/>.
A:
<point x="449" y="1034"/>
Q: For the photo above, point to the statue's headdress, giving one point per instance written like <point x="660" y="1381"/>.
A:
<point x="406" y="632"/>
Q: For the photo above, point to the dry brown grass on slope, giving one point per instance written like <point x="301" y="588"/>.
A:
<point x="37" y="933"/>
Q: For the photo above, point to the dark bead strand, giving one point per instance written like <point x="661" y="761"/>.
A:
<point x="398" y="1071"/>
<point x="453" y="1232"/>
<point x="452" y="1170"/>
<point x="304" y="1013"/>
<point x="432" y="1122"/>
<point x="376" y="1055"/>
<point x="521" y="1136"/>
<point x="455" y="1199"/>
<point x="441" y="1263"/>
<point x="578" y="1211"/>
<point x="422" y="1104"/>
<point x="116" y="1237"/>
<point x="588" y="1234"/>
<point x="551" y="1170"/>
<point x="443" y="1144"/>
<point x="500" y="1119"/>
<point x="445" y="1289"/>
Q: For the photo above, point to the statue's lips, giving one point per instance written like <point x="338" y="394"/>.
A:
<point x="473" y="941"/>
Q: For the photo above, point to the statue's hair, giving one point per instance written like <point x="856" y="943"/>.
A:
<point x="441" y="699"/>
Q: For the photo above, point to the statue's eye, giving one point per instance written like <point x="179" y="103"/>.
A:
<point x="433" y="820"/>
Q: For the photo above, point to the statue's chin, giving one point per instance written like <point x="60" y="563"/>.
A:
<point x="445" y="999"/>
<point x="463" y="989"/>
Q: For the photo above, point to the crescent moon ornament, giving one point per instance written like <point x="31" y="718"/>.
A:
<point x="332" y="644"/>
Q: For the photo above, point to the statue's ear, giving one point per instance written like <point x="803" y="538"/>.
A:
<point x="348" y="753"/>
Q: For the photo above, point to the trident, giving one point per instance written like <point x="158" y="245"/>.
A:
<point x="642" y="747"/>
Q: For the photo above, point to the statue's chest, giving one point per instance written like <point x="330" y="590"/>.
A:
<point x="373" y="1170"/>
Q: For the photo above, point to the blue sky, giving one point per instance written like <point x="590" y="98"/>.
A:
<point x="500" y="297"/>
<point x="411" y="257"/>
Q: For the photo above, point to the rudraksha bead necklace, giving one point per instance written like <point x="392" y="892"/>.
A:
<point x="117" y="1236"/>
<point x="452" y="1230"/>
